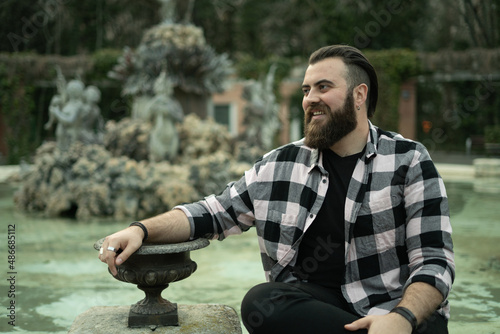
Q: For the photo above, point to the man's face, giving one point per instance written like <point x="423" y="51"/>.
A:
<point x="328" y="104"/>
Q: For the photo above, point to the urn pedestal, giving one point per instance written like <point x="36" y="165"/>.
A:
<point x="152" y="268"/>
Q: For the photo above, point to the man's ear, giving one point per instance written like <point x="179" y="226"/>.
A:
<point x="360" y="94"/>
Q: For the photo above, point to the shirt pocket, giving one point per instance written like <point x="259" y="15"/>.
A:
<point x="277" y="225"/>
<point x="278" y="231"/>
<point x="379" y="214"/>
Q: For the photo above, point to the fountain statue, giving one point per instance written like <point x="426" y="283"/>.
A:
<point x="166" y="112"/>
<point x="261" y="112"/>
<point x="193" y="67"/>
<point x="75" y="110"/>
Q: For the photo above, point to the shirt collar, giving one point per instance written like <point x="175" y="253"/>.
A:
<point x="371" y="142"/>
<point x="314" y="159"/>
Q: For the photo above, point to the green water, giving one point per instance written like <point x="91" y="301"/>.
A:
<point x="58" y="276"/>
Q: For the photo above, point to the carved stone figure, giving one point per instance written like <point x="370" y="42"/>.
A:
<point x="69" y="116"/>
<point x="76" y="113"/>
<point x="92" y="121"/>
<point x="166" y="112"/>
<point x="261" y="112"/>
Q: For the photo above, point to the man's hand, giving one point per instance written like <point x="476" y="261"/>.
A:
<point x="391" y="323"/>
<point x="169" y="227"/>
<point x="128" y="241"/>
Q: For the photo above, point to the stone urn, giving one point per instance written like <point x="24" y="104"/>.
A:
<point x="152" y="267"/>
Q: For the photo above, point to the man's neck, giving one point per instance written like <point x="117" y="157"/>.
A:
<point x="354" y="142"/>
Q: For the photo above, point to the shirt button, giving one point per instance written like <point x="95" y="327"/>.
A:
<point x="324" y="180"/>
<point x="311" y="215"/>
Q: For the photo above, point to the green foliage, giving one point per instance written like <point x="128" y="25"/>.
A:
<point x="72" y="27"/>
<point x="492" y="134"/>
<point x="248" y="67"/>
<point x="396" y="64"/>
<point x="295" y="28"/>
<point x="17" y="105"/>
<point x="456" y="111"/>
<point x="103" y="61"/>
<point x="393" y="68"/>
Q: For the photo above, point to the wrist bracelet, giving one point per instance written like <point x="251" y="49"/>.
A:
<point x="143" y="228"/>
<point x="407" y="314"/>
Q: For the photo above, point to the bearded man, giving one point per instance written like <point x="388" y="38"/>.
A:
<point x="353" y="221"/>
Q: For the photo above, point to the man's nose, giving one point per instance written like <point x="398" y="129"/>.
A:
<point x="311" y="98"/>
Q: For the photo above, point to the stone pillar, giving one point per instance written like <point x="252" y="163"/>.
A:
<point x="407" y="110"/>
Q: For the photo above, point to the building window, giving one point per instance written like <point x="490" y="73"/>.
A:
<point x="225" y="114"/>
<point x="221" y="114"/>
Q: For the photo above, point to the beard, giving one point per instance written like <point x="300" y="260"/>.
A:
<point x="324" y="133"/>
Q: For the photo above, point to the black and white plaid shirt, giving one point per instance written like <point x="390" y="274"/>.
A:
<point x="397" y="226"/>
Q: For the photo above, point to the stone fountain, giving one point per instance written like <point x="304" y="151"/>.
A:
<point x="166" y="153"/>
<point x="152" y="268"/>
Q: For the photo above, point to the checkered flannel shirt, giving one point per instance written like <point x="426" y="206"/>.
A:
<point x="397" y="226"/>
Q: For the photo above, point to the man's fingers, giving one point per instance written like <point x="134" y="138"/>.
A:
<point x="118" y="247"/>
<point x="358" y="324"/>
<point x="125" y="254"/>
<point x="107" y="254"/>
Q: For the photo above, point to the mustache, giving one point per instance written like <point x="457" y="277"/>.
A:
<point x="309" y="112"/>
<point x="318" y="107"/>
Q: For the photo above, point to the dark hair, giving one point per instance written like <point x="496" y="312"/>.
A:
<point x="359" y="69"/>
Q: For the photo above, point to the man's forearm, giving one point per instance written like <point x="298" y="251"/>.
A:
<point x="421" y="299"/>
<point x="169" y="227"/>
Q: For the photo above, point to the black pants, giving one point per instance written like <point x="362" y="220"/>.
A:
<point x="307" y="308"/>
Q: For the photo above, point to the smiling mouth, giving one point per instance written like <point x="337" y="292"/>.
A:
<point x="315" y="111"/>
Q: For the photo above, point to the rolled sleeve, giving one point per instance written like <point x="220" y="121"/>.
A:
<point x="200" y="220"/>
<point x="428" y="228"/>
<point x="217" y="217"/>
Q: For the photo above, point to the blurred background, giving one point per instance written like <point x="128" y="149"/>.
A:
<point x="438" y="64"/>
<point x="438" y="61"/>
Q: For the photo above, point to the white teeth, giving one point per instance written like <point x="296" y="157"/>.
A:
<point x="316" y="113"/>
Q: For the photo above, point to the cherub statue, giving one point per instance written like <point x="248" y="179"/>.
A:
<point x="92" y="123"/>
<point x="68" y="114"/>
<point x="74" y="108"/>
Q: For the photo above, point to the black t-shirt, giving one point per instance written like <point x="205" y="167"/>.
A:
<point x="321" y="252"/>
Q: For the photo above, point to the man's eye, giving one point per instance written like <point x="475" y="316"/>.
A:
<point x="322" y="87"/>
<point x="305" y="91"/>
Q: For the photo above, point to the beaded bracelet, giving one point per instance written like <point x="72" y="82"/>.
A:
<point x="407" y="314"/>
<point x="143" y="228"/>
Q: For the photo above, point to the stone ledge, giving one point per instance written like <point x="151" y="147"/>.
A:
<point x="8" y="171"/>
<point x="487" y="167"/>
<point x="193" y="319"/>
<point x="454" y="172"/>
